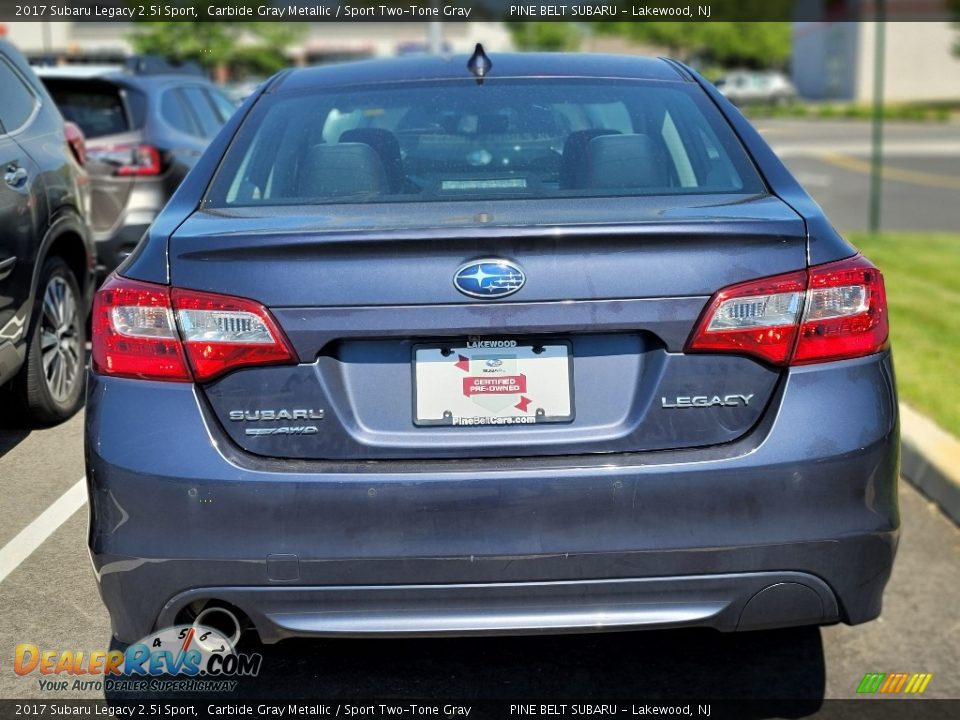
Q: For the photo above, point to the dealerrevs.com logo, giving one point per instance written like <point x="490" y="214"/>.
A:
<point x="186" y="658"/>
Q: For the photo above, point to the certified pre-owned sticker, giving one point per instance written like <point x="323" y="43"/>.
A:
<point x="493" y="382"/>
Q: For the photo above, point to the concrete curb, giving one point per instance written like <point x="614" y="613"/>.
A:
<point x="930" y="460"/>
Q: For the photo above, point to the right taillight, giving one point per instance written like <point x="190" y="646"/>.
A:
<point x="155" y="332"/>
<point x="828" y="312"/>
<point x="845" y="313"/>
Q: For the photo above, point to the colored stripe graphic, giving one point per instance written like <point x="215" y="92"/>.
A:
<point x="918" y="682"/>
<point x="871" y="682"/>
<point x="894" y="683"/>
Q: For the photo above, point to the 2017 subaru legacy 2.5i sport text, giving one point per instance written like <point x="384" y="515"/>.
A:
<point x="529" y="343"/>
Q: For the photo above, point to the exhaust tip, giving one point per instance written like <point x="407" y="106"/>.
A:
<point x="224" y="620"/>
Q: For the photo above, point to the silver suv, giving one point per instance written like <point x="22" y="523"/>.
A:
<point x="145" y="127"/>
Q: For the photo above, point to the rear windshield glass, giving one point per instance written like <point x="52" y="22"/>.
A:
<point x="96" y="106"/>
<point x="416" y="142"/>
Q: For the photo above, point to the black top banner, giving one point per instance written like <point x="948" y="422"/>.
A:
<point x="477" y="10"/>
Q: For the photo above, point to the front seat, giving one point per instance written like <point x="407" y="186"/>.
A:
<point x="616" y="162"/>
<point x="342" y="169"/>
<point x="387" y="147"/>
<point x="572" y="162"/>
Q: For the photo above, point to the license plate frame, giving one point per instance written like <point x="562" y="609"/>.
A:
<point x="489" y="407"/>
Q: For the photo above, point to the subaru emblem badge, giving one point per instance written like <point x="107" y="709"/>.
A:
<point x="490" y="278"/>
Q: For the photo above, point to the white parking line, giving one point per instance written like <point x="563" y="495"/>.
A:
<point x="46" y="523"/>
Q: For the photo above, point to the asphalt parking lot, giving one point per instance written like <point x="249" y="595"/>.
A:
<point x="921" y="170"/>
<point x="48" y="597"/>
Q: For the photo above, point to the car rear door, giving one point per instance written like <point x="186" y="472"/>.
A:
<point x="207" y="116"/>
<point x="184" y="128"/>
<point x="21" y="202"/>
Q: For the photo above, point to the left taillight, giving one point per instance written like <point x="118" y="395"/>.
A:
<point x="828" y="312"/>
<point x="222" y="333"/>
<point x="154" y="332"/>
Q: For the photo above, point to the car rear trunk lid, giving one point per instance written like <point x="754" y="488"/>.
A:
<point x="616" y="299"/>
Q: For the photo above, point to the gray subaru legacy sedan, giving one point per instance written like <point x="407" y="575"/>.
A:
<point x="509" y="344"/>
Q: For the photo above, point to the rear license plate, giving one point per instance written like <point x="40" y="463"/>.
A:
<point x="492" y="382"/>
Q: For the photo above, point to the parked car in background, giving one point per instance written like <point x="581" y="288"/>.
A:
<point x="568" y="349"/>
<point x="240" y="90"/>
<point x="745" y="87"/>
<point x="145" y="127"/>
<point x="46" y="254"/>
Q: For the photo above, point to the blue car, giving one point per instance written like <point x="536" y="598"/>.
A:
<point x="529" y="343"/>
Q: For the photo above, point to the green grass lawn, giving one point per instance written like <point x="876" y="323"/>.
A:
<point x="922" y="275"/>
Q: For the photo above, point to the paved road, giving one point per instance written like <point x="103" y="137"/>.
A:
<point x="50" y="599"/>
<point x="921" y="186"/>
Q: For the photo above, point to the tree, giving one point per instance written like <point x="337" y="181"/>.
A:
<point x="754" y="44"/>
<point x="250" y="47"/>
<point x="954" y="7"/>
<point x="553" y="36"/>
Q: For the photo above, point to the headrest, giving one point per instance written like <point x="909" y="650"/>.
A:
<point x="572" y="163"/>
<point x="625" y="161"/>
<point x="386" y="145"/>
<point x="342" y="169"/>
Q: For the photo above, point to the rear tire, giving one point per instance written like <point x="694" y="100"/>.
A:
<point x="51" y="381"/>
